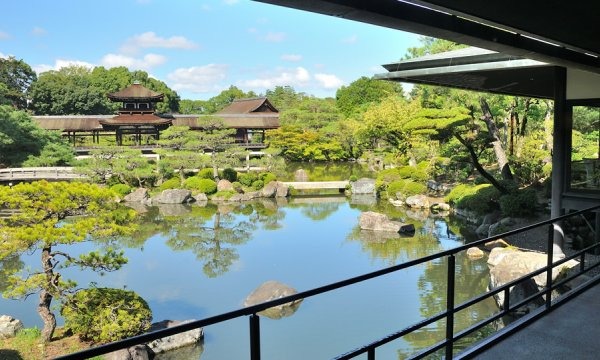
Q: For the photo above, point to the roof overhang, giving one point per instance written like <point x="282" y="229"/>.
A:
<point x="557" y="32"/>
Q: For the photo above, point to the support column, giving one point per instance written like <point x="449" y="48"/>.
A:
<point x="560" y="155"/>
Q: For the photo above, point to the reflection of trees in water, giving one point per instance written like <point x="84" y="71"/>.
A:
<point x="9" y="265"/>
<point x="268" y="214"/>
<point x="212" y="243"/>
<point x="316" y="210"/>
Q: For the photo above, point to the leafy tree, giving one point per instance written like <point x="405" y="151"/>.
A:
<point x="128" y="165"/>
<point x="352" y="99"/>
<point x="284" y="98"/>
<point x="225" y="98"/>
<point x="192" y="106"/>
<point x="55" y="153"/>
<point x="21" y="137"/>
<point x="311" y="113"/>
<point x="217" y="140"/>
<point x="16" y="76"/>
<point x="181" y="149"/>
<point x="42" y="223"/>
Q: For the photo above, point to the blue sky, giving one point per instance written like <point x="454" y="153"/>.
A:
<point x="202" y="47"/>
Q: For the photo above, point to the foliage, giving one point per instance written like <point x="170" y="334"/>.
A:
<point x="353" y="99"/>
<point x="481" y="199"/>
<point x="298" y="144"/>
<point x="224" y="194"/>
<point x="16" y="76"/>
<point x="207" y="186"/>
<point x="55" y="153"/>
<point x="267" y="177"/>
<point x="258" y="184"/>
<point x="79" y="90"/>
<point x="519" y="203"/>
<point x="206" y="173"/>
<point x="248" y="178"/>
<point x="403" y="188"/>
<point x="21" y="138"/>
<point x="121" y="189"/>
<point x="172" y="183"/>
<point x="224" y="98"/>
<point x="104" y="315"/>
<point x="127" y="165"/>
<point x="229" y="174"/>
<point x="41" y="224"/>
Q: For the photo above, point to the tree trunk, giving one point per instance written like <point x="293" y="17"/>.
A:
<point x="478" y="166"/>
<point x="496" y="142"/>
<point x="46" y="297"/>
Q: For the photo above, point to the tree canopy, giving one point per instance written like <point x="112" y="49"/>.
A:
<point x="15" y="78"/>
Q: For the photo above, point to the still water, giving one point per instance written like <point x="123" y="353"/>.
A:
<point x="191" y="262"/>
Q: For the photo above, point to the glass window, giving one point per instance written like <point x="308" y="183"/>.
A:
<point x="585" y="141"/>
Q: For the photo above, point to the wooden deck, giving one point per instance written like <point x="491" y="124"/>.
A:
<point x="318" y="185"/>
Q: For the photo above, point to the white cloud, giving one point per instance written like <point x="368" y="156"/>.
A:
<point x="275" y="37"/>
<point x="293" y="77"/>
<point x="146" y="63"/>
<point x="61" y="63"/>
<point x="350" y="39"/>
<point x="329" y="81"/>
<point x="4" y="35"/>
<point x="151" y="40"/>
<point x="38" y="31"/>
<point x="291" y="57"/>
<point x="198" y="79"/>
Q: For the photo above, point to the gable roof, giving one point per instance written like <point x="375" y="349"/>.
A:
<point x="136" y="91"/>
<point x="251" y="105"/>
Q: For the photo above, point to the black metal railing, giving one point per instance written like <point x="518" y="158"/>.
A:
<point x="447" y="345"/>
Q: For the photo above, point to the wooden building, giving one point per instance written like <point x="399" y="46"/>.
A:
<point x="138" y="120"/>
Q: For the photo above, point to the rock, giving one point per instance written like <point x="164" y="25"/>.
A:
<point x="396" y="203"/>
<point x="300" y="175"/>
<point x="418" y="202"/>
<point x="489" y="219"/>
<point x="272" y="290"/>
<point x="191" y="337"/>
<point x="474" y="253"/>
<point x="436" y="187"/>
<point x="507" y="221"/>
<point x="417" y="214"/>
<point x="483" y="230"/>
<point x="496" y="243"/>
<point x="201" y="197"/>
<point x="380" y="222"/>
<point x="496" y="229"/>
<point x="363" y="186"/>
<point x="437" y="207"/>
<point x="270" y="190"/>
<point x="508" y="264"/>
<point x="137" y="352"/>
<point x="282" y="190"/>
<point x="138" y="195"/>
<point x="9" y="326"/>
<point x="173" y="196"/>
<point x="224" y="185"/>
<point x="173" y="209"/>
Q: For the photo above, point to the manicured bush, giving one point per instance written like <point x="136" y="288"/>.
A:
<point x="224" y="194"/>
<point x="519" y="203"/>
<point x="267" y="177"/>
<point x="237" y="186"/>
<point x="353" y="178"/>
<point x="258" y="184"/>
<point x="121" y="189"/>
<point x="103" y="315"/>
<point x="481" y="199"/>
<point x="229" y="174"/>
<point x="206" y="174"/>
<point x="248" y="178"/>
<point x="206" y="186"/>
<point x="173" y="183"/>
<point x="404" y="188"/>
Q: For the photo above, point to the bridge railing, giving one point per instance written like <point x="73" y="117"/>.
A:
<point x="452" y="335"/>
<point x="34" y="173"/>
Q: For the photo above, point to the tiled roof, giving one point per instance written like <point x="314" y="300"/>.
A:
<point x="136" y="92"/>
<point x="246" y="106"/>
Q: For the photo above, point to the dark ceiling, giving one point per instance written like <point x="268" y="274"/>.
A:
<point x="560" y="32"/>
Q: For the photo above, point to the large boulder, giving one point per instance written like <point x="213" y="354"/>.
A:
<point x="507" y="264"/>
<point x="275" y="189"/>
<point x="137" y="352"/>
<point x="224" y="185"/>
<point x="168" y="343"/>
<point x="363" y="186"/>
<point x="300" y="175"/>
<point x="272" y="290"/>
<point x="370" y="220"/>
<point x="173" y="196"/>
<point x="138" y="195"/>
<point x="417" y="201"/>
<point x="9" y="326"/>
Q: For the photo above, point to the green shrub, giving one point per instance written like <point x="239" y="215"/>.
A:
<point x="206" y="174"/>
<point x="230" y="174"/>
<point x="173" y="183"/>
<point x="481" y="199"/>
<point x="247" y="179"/>
<point x="224" y="194"/>
<point x="103" y="314"/>
<point x="519" y="203"/>
<point x="267" y="177"/>
<point x="353" y="178"/>
<point x="237" y="186"/>
<point x="258" y="184"/>
<point x="203" y="185"/>
<point x="121" y="189"/>
<point x="406" y="188"/>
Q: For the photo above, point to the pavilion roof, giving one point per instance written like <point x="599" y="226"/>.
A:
<point x="234" y="121"/>
<point x="247" y="106"/>
<point x="135" y="119"/>
<point x="136" y="92"/>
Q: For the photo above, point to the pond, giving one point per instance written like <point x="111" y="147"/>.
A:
<point x="191" y="262"/>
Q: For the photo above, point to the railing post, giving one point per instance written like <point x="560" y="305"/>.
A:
<point x="371" y="354"/>
<point x="254" y="337"/>
<point x="549" y="265"/>
<point x="450" y="307"/>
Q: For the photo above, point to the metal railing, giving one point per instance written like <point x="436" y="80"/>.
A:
<point x="451" y="336"/>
